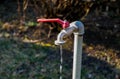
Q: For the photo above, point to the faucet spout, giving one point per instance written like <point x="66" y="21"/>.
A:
<point x="60" y="37"/>
<point x="76" y="26"/>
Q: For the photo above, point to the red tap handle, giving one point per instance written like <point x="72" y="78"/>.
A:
<point x="64" y="24"/>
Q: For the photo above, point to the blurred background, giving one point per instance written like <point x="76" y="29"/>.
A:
<point x="27" y="48"/>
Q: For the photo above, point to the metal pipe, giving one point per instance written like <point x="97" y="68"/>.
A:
<point x="78" y="28"/>
<point x="77" y="57"/>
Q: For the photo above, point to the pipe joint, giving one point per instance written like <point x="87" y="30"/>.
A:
<point x="79" y="27"/>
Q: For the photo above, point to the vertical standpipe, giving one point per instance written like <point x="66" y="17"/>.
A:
<point x="78" y="28"/>
<point x="77" y="57"/>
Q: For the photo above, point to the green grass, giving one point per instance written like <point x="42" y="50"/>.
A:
<point x="20" y="60"/>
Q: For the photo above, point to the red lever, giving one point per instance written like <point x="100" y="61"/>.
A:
<point x="64" y="24"/>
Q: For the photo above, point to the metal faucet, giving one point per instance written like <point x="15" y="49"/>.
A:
<point x="76" y="27"/>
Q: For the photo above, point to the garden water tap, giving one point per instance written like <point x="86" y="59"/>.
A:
<point x="64" y="23"/>
<point x="75" y="26"/>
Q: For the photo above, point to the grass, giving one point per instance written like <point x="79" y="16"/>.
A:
<point x="20" y="60"/>
<point x="26" y="61"/>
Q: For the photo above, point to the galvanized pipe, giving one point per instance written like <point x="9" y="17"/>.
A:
<point x="77" y="56"/>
